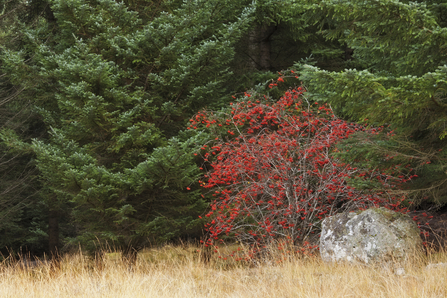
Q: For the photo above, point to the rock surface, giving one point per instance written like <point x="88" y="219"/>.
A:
<point x="376" y="234"/>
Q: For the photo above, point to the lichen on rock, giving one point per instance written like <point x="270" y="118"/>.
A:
<point x="376" y="234"/>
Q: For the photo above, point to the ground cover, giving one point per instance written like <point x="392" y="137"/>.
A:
<point x="182" y="272"/>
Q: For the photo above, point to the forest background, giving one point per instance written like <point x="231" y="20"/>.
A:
<point x="96" y="98"/>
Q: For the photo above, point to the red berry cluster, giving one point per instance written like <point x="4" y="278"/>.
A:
<point x="273" y="174"/>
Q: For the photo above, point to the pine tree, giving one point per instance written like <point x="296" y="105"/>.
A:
<point x="23" y="216"/>
<point x="114" y="84"/>
<point x="397" y="77"/>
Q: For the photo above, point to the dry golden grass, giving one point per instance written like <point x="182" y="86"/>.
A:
<point x="178" y="272"/>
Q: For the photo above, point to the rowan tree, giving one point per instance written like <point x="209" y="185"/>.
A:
<point x="273" y="174"/>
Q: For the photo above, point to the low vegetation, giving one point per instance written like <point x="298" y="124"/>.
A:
<point x="182" y="272"/>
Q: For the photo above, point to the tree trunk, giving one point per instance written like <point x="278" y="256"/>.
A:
<point x="53" y="233"/>
<point x="253" y="51"/>
<point x="265" y="47"/>
<point x="348" y="53"/>
<point x="259" y="47"/>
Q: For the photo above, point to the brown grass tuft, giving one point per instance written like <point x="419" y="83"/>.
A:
<point x="180" y="272"/>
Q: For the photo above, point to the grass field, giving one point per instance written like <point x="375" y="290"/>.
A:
<point x="179" y="272"/>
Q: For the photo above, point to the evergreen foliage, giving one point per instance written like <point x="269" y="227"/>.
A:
<point x="397" y="77"/>
<point x="23" y="217"/>
<point x="113" y="85"/>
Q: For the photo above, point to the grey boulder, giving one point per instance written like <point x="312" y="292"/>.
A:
<point x="373" y="235"/>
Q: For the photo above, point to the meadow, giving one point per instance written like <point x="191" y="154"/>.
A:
<point x="181" y="272"/>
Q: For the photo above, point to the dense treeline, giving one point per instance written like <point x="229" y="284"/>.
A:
<point x="96" y="97"/>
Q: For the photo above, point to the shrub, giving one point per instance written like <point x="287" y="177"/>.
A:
<point x="273" y="173"/>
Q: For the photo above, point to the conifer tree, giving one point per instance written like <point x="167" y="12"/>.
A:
<point x="114" y="84"/>
<point x="397" y="77"/>
<point x="23" y="216"/>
